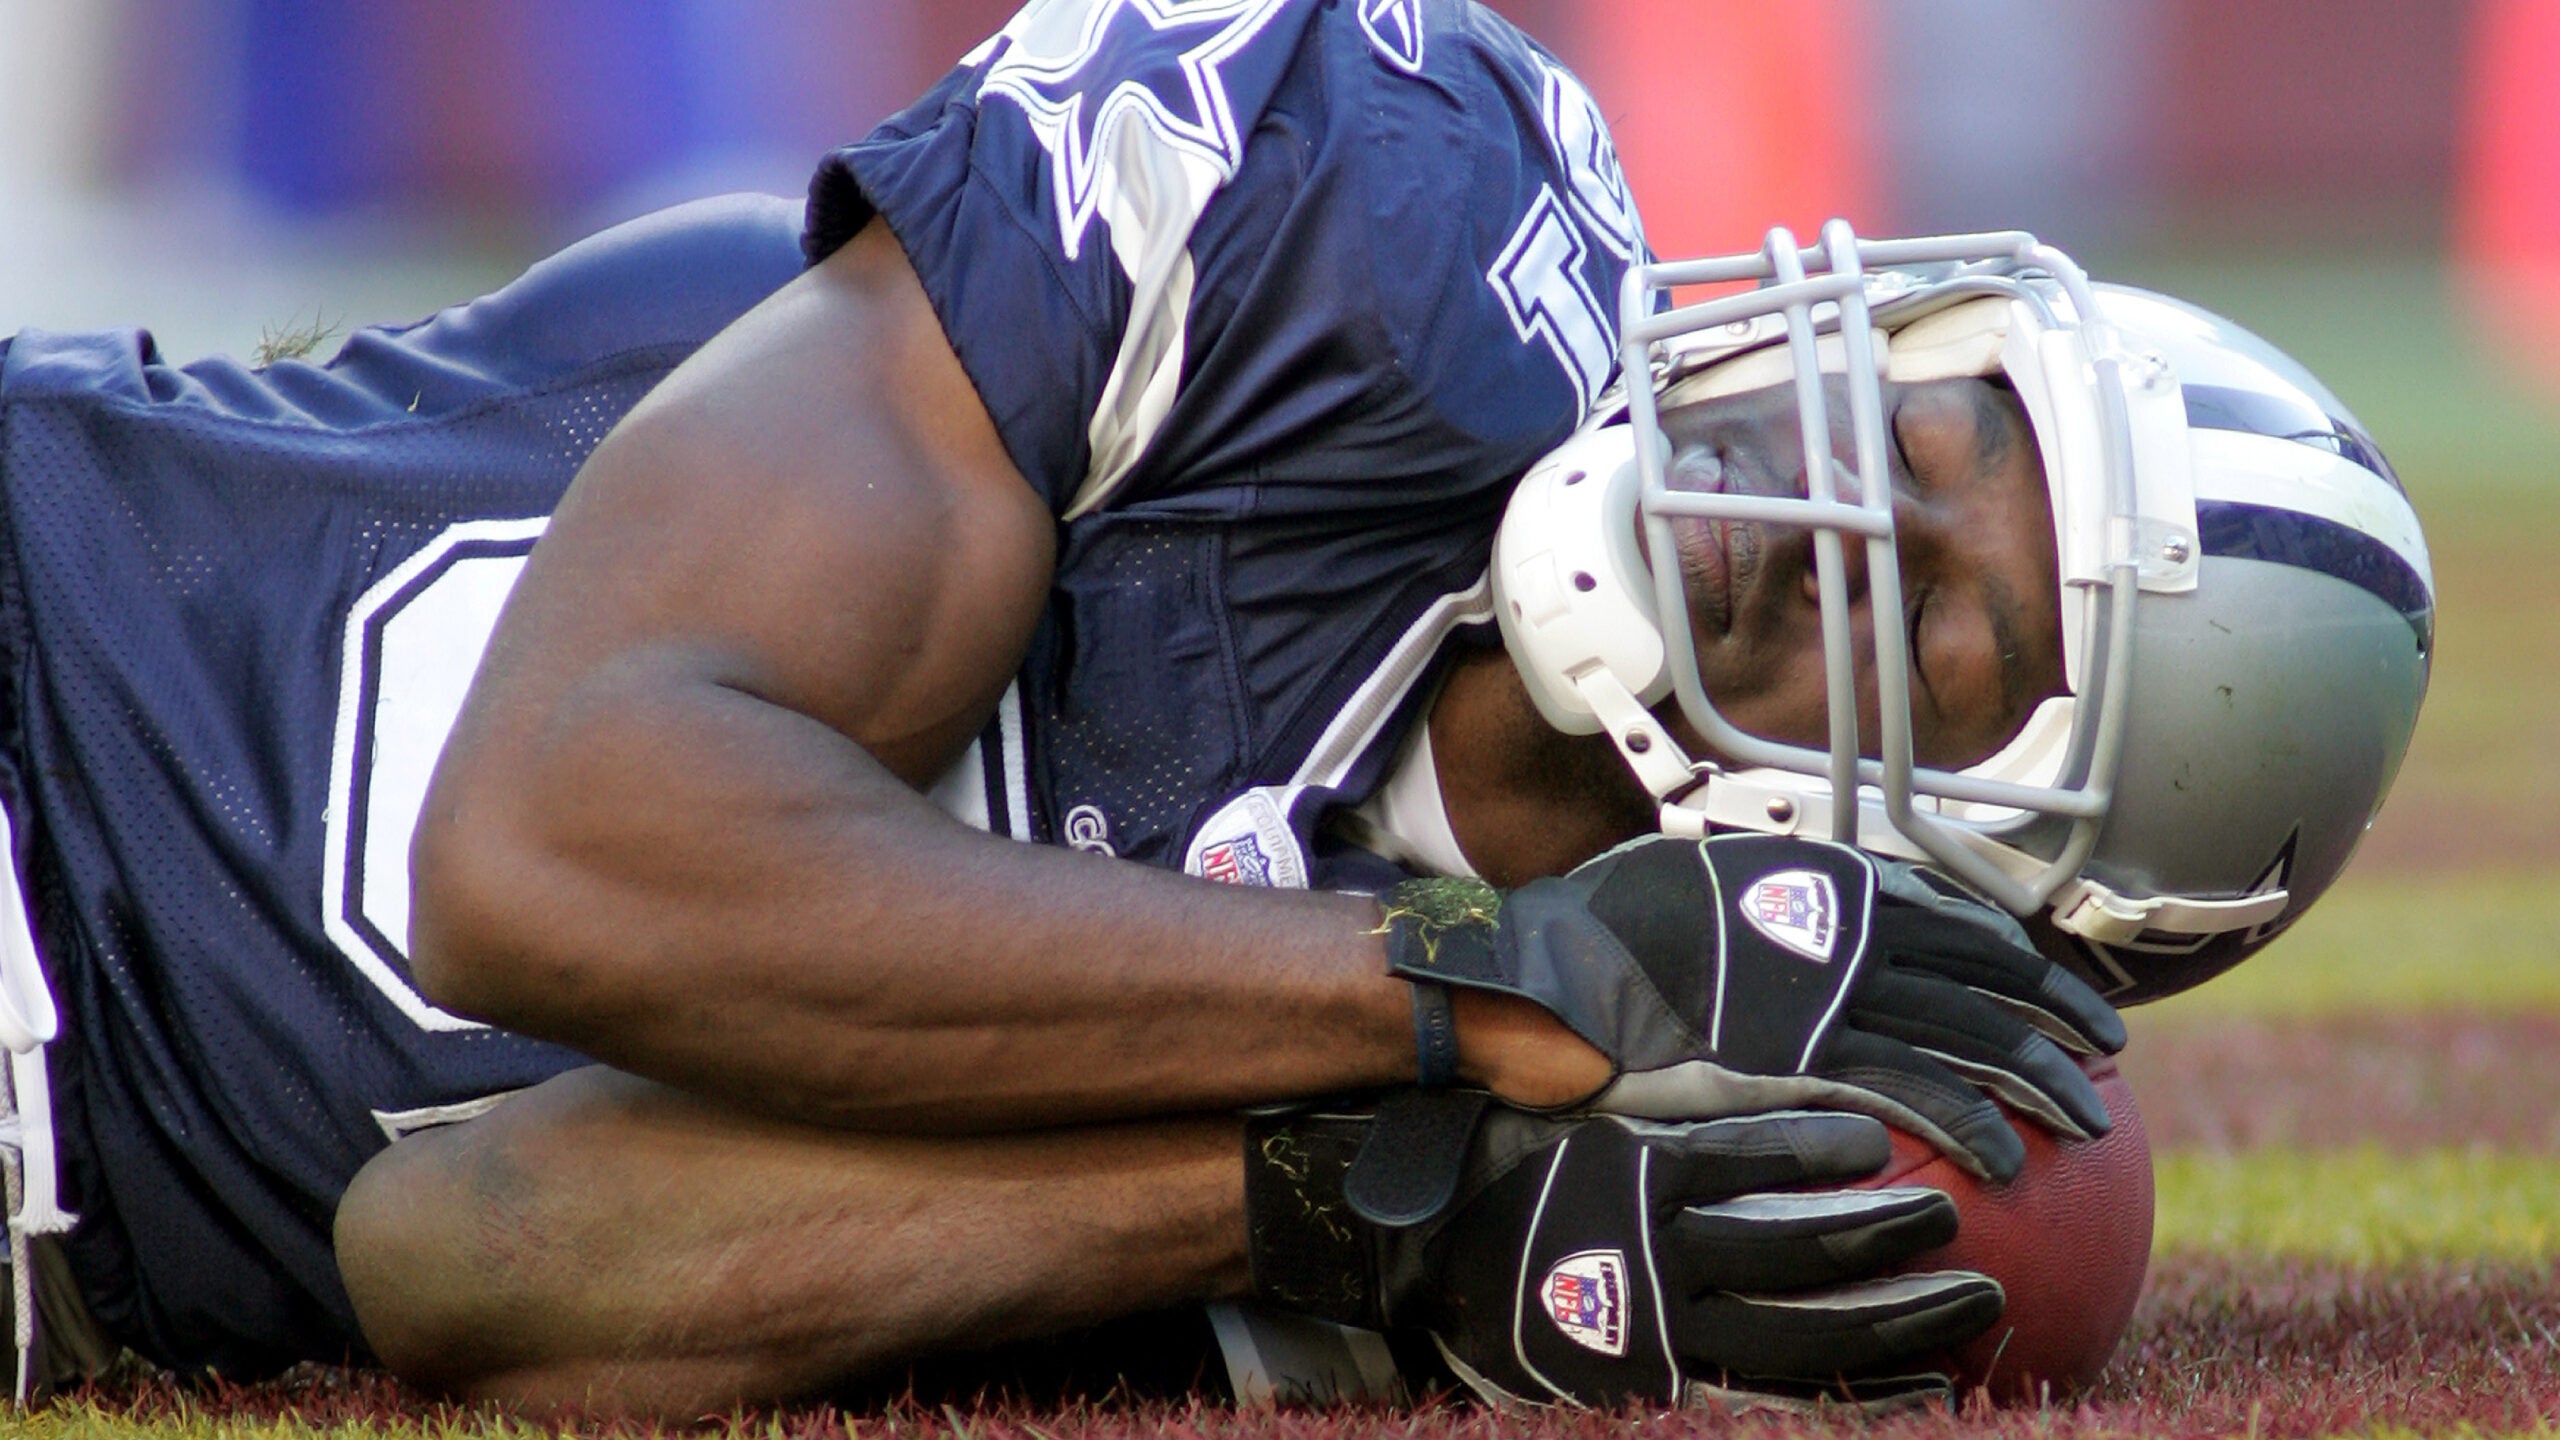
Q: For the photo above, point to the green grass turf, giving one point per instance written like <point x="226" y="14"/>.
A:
<point x="2328" y="1294"/>
<point x="2365" y="1206"/>
<point x="2219" y="1348"/>
<point x="2409" y="1080"/>
<point x="2481" y="788"/>
<point x="2383" y="942"/>
<point x="99" y="1422"/>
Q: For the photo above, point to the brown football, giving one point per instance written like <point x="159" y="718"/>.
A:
<point x="2068" y="1239"/>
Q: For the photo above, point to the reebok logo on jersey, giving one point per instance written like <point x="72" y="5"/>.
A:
<point x="1798" y="909"/>
<point x="1089" y="830"/>
<point x="1394" y="28"/>
<point x="1586" y="1295"/>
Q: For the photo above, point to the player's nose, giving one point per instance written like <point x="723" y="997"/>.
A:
<point x="1913" y="534"/>
<point x="1853" y="565"/>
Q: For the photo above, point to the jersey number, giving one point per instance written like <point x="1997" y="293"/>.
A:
<point x="1543" y="275"/>
<point x="412" y="644"/>
<point x="1540" y="280"/>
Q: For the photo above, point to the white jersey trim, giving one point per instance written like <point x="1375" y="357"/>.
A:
<point x="969" y="790"/>
<point x="30" y="1173"/>
<point x="1262" y="818"/>
<point x="961" y="793"/>
<point x="399" y="1123"/>
<point x="1355" y="730"/>
<point x="1146" y="375"/>
<point x="1015" y="761"/>
<point x="1407" y="820"/>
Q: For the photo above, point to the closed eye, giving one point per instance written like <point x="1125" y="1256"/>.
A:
<point x="1901" y="454"/>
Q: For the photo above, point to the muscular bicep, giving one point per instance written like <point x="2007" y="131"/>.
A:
<point x="814" y="511"/>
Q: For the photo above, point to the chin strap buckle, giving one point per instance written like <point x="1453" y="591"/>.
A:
<point x="2092" y="911"/>
<point x="1641" y="737"/>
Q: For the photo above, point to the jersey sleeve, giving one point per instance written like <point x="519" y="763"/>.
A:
<point x="1244" y="253"/>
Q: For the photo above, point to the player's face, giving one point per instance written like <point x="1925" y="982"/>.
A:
<point x="1974" y="531"/>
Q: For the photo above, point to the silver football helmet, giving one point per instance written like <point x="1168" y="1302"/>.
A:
<point x="2246" y="603"/>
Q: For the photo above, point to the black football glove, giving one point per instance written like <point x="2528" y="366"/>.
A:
<point x="1747" y="973"/>
<point x="1607" y="1260"/>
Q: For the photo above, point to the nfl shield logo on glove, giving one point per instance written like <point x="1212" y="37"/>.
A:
<point x="1586" y="1295"/>
<point x="1798" y="909"/>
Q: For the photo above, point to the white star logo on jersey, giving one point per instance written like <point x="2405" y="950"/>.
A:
<point x="1165" y="55"/>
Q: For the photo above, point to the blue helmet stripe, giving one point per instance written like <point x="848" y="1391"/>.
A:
<point x="2289" y="537"/>
<point x="2285" y="417"/>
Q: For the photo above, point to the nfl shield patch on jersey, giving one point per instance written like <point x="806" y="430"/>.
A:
<point x="1798" y="909"/>
<point x="1249" y="842"/>
<point x="1236" y="861"/>
<point x="1586" y="1295"/>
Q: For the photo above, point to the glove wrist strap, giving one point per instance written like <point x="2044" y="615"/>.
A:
<point x="1443" y="929"/>
<point x="1435" y="1036"/>
<point x="1307" y="1251"/>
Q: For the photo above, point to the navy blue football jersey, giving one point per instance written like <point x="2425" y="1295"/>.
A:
<point x="1273" y="300"/>
<point x="241" y="608"/>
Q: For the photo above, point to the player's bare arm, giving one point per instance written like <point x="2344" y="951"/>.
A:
<point x="679" y="825"/>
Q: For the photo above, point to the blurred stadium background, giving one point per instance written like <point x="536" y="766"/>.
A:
<point x="200" y="152"/>
<point x="2374" y="184"/>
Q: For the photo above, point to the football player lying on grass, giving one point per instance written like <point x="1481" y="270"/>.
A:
<point x="1123" y="476"/>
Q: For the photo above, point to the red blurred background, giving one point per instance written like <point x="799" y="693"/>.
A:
<point x="2107" y="114"/>
<point x="2109" y="125"/>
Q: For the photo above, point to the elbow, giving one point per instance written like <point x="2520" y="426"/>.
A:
<point x="469" y="940"/>
<point x="511" y="921"/>
<point x="539" y="876"/>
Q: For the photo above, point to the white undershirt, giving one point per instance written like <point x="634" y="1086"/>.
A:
<point x="1406" y="821"/>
